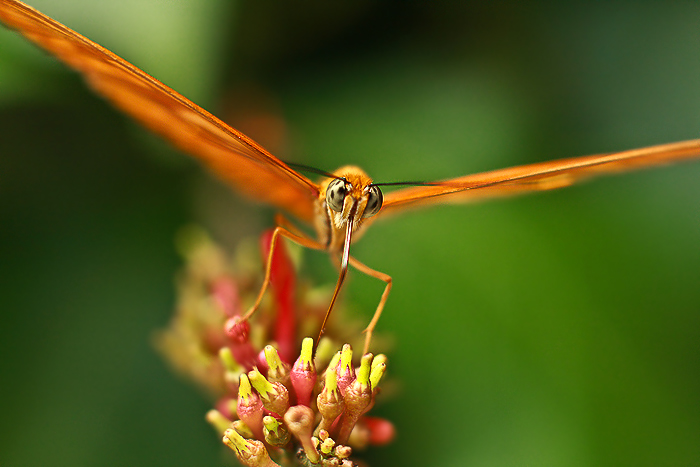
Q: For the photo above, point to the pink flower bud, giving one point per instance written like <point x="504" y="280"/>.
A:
<point x="241" y="348"/>
<point x="250" y="407"/>
<point x="251" y="453"/>
<point x="303" y="374"/>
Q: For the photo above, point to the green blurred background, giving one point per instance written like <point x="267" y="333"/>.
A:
<point x="561" y="328"/>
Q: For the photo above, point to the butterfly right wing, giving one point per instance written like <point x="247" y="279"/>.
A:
<point x="536" y="177"/>
<point x="229" y="153"/>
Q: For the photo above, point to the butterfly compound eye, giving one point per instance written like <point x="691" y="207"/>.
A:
<point x="335" y="194"/>
<point x="374" y="203"/>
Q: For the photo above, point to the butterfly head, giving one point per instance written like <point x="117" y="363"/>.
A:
<point x="351" y="196"/>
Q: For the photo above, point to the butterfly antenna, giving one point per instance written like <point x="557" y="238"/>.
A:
<point x="408" y="183"/>
<point x="308" y="168"/>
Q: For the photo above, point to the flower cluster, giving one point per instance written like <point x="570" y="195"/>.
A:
<point x="276" y="405"/>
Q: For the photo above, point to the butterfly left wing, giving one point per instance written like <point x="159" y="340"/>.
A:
<point x="537" y="177"/>
<point x="229" y="153"/>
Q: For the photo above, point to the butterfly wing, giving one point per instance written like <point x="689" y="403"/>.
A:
<point x="229" y="153"/>
<point x="537" y="177"/>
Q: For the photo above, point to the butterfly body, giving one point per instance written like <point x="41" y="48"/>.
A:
<point x="354" y="195"/>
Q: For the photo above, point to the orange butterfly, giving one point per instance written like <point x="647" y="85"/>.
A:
<point x="345" y="203"/>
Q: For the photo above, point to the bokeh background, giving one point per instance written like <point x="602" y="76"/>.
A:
<point x="560" y="328"/>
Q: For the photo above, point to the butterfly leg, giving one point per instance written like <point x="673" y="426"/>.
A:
<point x="286" y="224"/>
<point x="298" y="239"/>
<point x="378" y="312"/>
